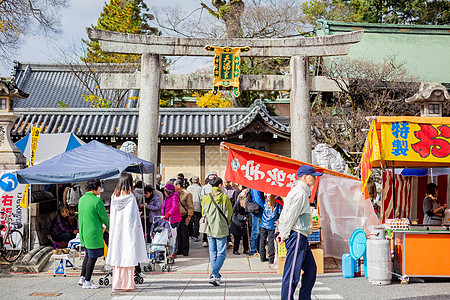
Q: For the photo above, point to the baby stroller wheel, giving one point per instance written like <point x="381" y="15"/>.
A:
<point x="141" y="280"/>
<point x="100" y="281"/>
<point x="136" y="279"/>
<point x="106" y="281"/>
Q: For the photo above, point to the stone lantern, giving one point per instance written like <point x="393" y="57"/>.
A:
<point x="10" y="156"/>
<point x="431" y="96"/>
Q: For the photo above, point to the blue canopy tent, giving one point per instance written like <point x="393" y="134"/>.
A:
<point x="92" y="160"/>
<point x="49" y="145"/>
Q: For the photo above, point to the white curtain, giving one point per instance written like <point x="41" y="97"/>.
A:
<point x="342" y="210"/>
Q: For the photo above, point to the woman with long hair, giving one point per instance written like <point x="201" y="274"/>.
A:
<point x="126" y="238"/>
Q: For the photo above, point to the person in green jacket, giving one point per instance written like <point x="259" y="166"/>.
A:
<point x="218" y="216"/>
<point x="91" y="215"/>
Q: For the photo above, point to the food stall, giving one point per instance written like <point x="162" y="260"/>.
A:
<point x="276" y="174"/>
<point x="410" y="143"/>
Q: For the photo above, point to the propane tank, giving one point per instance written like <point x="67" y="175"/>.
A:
<point x="379" y="259"/>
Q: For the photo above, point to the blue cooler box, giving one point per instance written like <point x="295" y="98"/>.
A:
<point x="348" y="266"/>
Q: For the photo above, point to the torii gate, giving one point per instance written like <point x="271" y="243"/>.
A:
<point x="150" y="80"/>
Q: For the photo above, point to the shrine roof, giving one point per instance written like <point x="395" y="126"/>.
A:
<point x="423" y="48"/>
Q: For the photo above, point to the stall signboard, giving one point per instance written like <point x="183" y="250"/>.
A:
<point x="11" y="192"/>
<point x="415" y="142"/>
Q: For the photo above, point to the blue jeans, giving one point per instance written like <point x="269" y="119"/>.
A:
<point x="299" y="257"/>
<point x="254" y="235"/>
<point x="217" y="254"/>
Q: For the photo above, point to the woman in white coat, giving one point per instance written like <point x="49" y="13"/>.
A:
<point x="126" y="238"/>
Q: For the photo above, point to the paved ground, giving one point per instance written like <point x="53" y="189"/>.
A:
<point x="243" y="278"/>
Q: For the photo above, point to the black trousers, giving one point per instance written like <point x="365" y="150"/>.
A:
<point x="195" y="223"/>
<point x="267" y="236"/>
<point x="87" y="267"/>
<point x="237" y="240"/>
<point x="183" y="237"/>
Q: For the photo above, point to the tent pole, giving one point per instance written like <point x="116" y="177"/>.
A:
<point x="29" y="216"/>
<point x="393" y="188"/>
<point x="145" y="204"/>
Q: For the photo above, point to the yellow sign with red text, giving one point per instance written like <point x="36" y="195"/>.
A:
<point x="406" y="141"/>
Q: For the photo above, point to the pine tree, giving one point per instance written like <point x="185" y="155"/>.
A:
<point x="128" y="16"/>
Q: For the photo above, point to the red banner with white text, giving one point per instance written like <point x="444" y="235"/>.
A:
<point x="260" y="173"/>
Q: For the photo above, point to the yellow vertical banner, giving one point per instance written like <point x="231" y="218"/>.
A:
<point x="35" y="132"/>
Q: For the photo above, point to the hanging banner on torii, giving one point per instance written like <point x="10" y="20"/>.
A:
<point x="227" y="68"/>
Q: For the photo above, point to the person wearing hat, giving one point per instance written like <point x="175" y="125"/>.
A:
<point x="171" y="209"/>
<point x="295" y="225"/>
<point x="195" y="189"/>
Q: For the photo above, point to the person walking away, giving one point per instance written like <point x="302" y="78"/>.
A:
<point x="92" y="214"/>
<point x="216" y="206"/>
<point x="195" y="189"/>
<point x="153" y="206"/>
<point x="61" y="230"/>
<point x="239" y="222"/>
<point x="207" y="188"/>
<point x="186" y="211"/>
<point x="255" y="208"/>
<point x="171" y="209"/>
<point x="126" y="238"/>
<point x="272" y="210"/>
<point x="295" y="224"/>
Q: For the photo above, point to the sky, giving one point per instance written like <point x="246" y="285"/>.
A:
<point x="75" y="19"/>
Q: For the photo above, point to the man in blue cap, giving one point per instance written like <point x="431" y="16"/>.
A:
<point x="294" y="225"/>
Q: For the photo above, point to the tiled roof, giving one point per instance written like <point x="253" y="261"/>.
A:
<point x="259" y="109"/>
<point x="48" y="84"/>
<point x="174" y="122"/>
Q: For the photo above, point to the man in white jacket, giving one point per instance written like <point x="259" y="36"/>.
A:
<point x="295" y="224"/>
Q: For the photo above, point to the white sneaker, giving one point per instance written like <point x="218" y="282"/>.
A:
<point x="214" y="280"/>
<point x="81" y="281"/>
<point x="90" y="285"/>
<point x="205" y="244"/>
<point x="142" y="275"/>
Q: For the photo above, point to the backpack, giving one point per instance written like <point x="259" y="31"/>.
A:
<point x="250" y="206"/>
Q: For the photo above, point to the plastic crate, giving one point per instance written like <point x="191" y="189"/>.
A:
<point x="314" y="236"/>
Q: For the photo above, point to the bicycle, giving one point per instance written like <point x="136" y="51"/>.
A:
<point x="11" y="241"/>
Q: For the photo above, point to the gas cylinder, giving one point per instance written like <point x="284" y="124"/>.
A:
<point x="379" y="259"/>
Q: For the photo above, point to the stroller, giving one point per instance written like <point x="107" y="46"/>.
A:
<point x="105" y="279"/>
<point x="161" y="247"/>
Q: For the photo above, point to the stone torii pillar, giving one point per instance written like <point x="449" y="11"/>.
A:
<point x="152" y="47"/>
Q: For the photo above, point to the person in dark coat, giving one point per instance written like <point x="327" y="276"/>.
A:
<point x="61" y="228"/>
<point x="239" y="224"/>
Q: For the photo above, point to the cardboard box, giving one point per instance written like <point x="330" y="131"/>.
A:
<point x="318" y="257"/>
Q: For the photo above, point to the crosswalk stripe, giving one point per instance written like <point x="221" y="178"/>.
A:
<point x="329" y="297"/>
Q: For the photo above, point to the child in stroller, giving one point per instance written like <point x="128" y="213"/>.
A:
<point x="161" y="246"/>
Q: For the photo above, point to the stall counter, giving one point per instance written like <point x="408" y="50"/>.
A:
<point x="422" y="253"/>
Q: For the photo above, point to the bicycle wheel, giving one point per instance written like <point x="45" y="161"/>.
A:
<point x="13" y="246"/>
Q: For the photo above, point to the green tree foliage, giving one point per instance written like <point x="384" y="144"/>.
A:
<point x="128" y="16"/>
<point x="434" y="12"/>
